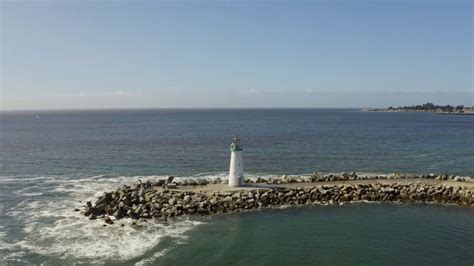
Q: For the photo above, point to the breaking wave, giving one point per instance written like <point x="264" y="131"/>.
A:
<point x="49" y="227"/>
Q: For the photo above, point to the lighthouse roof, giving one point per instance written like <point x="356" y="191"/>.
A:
<point x="236" y="146"/>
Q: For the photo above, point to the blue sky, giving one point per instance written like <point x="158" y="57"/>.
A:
<point x="120" y="54"/>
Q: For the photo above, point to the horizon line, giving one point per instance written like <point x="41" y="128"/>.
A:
<point x="175" y="108"/>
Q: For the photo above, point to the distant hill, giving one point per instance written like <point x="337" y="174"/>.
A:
<point x="428" y="107"/>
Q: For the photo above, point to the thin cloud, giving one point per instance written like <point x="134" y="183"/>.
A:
<point x="92" y="94"/>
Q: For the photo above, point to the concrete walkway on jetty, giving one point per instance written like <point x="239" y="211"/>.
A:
<point x="254" y="186"/>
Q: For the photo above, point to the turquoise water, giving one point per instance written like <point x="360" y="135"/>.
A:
<point x="48" y="165"/>
<point x="361" y="234"/>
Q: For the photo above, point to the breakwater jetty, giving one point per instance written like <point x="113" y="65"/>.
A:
<point x="151" y="201"/>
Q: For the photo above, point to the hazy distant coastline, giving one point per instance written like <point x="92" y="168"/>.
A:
<point x="427" y="107"/>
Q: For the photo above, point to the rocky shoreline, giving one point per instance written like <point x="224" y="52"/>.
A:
<point x="321" y="177"/>
<point x="149" y="201"/>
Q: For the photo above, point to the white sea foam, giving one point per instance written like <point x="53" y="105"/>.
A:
<point x="7" y="248"/>
<point x="151" y="259"/>
<point x="28" y="192"/>
<point x="86" y="240"/>
<point x="52" y="228"/>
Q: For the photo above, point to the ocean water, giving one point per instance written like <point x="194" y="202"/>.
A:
<point x="49" y="164"/>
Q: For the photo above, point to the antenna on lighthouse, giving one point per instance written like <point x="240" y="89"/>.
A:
<point x="236" y="169"/>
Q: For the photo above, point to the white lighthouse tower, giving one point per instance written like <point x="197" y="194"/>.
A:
<point x="236" y="170"/>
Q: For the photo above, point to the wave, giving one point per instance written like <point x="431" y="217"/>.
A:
<point x="84" y="241"/>
<point x="151" y="259"/>
<point x="44" y="207"/>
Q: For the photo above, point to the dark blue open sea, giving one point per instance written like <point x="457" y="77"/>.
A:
<point x="50" y="163"/>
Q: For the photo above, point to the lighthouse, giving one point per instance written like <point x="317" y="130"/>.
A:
<point x="236" y="169"/>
